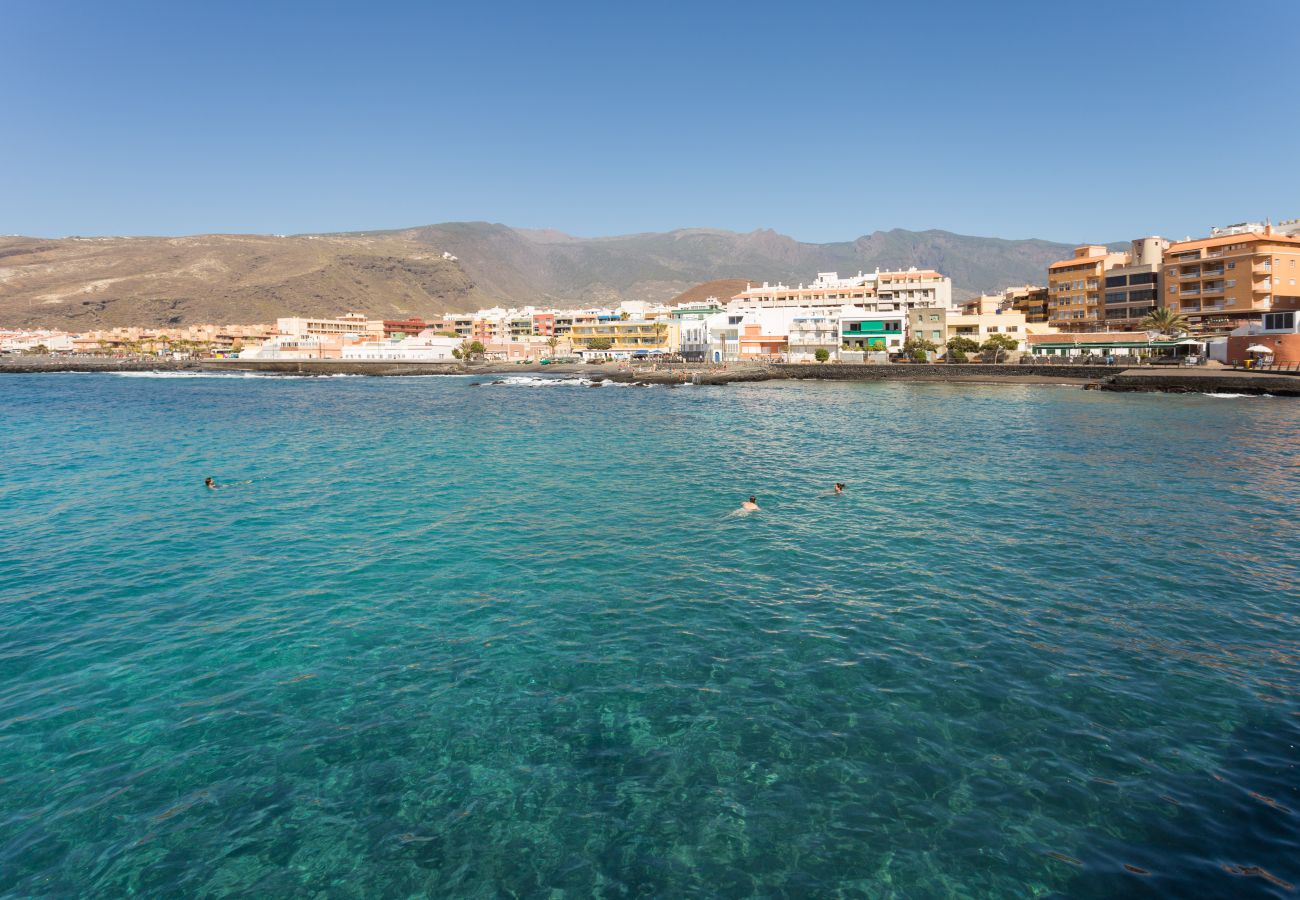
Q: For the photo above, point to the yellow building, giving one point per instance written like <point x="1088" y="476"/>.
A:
<point x="1231" y="278"/>
<point x="1074" y="288"/>
<point x="627" y="336"/>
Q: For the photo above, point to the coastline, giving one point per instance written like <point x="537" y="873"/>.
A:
<point x="1099" y="377"/>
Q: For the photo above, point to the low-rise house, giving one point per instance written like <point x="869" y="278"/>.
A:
<point x="1112" y="344"/>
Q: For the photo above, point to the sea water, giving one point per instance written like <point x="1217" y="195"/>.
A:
<point x="432" y="637"/>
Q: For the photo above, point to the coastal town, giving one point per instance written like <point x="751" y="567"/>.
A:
<point x="1230" y="297"/>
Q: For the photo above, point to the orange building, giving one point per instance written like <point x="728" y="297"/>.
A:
<point x="1232" y="278"/>
<point x="1075" y="285"/>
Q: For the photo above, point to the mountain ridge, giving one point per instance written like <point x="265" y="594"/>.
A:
<point x="84" y="283"/>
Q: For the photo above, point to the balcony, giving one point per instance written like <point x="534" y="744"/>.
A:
<point x="1190" y="273"/>
<point x="1212" y="273"/>
<point x="1190" y="292"/>
<point x="1215" y="287"/>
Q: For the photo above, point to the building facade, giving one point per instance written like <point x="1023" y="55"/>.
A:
<point x="1132" y="290"/>
<point x="871" y="292"/>
<point x="1232" y="278"/>
<point x="1075" y="285"/>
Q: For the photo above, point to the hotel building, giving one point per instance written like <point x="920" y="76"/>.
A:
<point x="1233" y="277"/>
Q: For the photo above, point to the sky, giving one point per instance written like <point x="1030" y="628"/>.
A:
<point x="822" y="120"/>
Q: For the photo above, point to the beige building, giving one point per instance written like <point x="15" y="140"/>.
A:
<point x="352" y="323"/>
<point x="1233" y="277"/>
<point x="1075" y="285"/>
<point x="978" y="320"/>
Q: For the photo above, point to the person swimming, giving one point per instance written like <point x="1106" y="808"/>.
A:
<point x="210" y="483"/>
<point x="839" y="487"/>
<point x="750" y="505"/>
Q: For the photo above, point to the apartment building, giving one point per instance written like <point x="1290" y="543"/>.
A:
<point x="808" y="334"/>
<point x="627" y="336"/>
<point x="1132" y="290"/>
<point x="1234" y="277"/>
<point x="978" y="319"/>
<point x="352" y="323"/>
<point x="1074" y="288"/>
<point x="1030" y="300"/>
<point x="875" y="332"/>
<point x="871" y="292"/>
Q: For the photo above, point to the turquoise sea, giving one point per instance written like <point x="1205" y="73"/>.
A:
<point x="439" y="639"/>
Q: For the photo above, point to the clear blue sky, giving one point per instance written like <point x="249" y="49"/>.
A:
<point x="824" y="121"/>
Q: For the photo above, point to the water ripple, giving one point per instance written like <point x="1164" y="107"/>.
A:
<point x="435" y="640"/>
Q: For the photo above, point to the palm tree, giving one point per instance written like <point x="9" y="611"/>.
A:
<point x="1166" y="322"/>
<point x="661" y="332"/>
<point x="551" y="343"/>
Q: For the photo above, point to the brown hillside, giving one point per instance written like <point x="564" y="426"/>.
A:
<point x="84" y="283"/>
<point x="722" y="288"/>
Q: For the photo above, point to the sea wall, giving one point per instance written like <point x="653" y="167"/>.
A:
<point x="1221" y="381"/>
<point x="942" y="372"/>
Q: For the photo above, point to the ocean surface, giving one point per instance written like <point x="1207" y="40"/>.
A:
<point x="439" y="639"/>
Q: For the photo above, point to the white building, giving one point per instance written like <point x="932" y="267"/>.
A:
<point x="808" y="334"/>
<point x="872" y="292"/>
<point x="426" y="347"/>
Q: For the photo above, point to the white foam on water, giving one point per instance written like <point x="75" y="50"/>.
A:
<point x="536" y="381"/>
<point x="161" y="374"/>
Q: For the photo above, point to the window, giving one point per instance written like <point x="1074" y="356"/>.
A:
<point x="1232" y="265"/>
<point x="934" y="335"/>
<point x="1231" y="282"/>
<point x="1013" y="328"/>
<point x="1173" y="288"/>
<point x="934" y="318"/>
<point x="1279" y="321"/>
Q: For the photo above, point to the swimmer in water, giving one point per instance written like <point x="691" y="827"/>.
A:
<point x="839" y="487"/>
<point x="209" y="483"/>
<point x="749" y="506"/>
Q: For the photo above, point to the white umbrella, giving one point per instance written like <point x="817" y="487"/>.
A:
<point x="1258" y="348"/>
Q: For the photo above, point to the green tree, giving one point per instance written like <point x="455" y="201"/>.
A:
<point x="963" y="344"/>
<point x="822" y="354"/>
<point x="997" y="344"/>
<point x="599" y="343"/>
<point x="1165" y="321"/>
<point x="918" y="348"/>
<point x="448" y="334"/>
<point x="468" y="350"/>
<point x="551" y="343"/>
